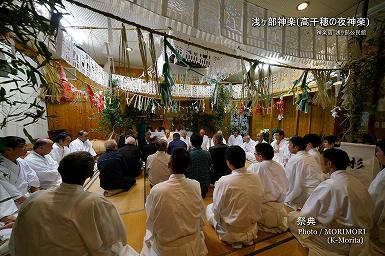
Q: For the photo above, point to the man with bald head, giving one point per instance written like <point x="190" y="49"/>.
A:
<point x="82" y="143"/>
<point x="43" y="164"/>
<point x="113" y="171"/>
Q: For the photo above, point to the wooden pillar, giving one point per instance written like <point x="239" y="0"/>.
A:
<point x="310" y="118"/>
<point x="271" y="120"/>
<point x="323" y="123"/>
<point x="296" y="122"/>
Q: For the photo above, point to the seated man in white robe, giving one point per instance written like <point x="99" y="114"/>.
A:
<point x="313" y="141"/>
<point x="175" y="213"/>
<point x="42" y="163"/>
<point x="303" y="173"/>
<point x="8" y="211"/>
<point x="235" y="139"/>
<point x="7" y="208"/>
<point x="185" y="139"/>
<point x="167" y="136"/>
<point x="205" y="143"/>
<point x="377" y="192"/>
<point x="237" y="200"/>
<point x="339" y="204"/>
<point x="274" y="181"/>
<point x="82" y="143"/>
<point x="157" y="164"/>
<point x="248" y="144"/>
<point x="260" y="138"/>
<point x="68" y="220"/>
<point x="280" y="146"/>
<point x="17" y="176"/>
<point x="60" y="148"/>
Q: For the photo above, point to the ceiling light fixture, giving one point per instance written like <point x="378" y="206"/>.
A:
<point x="302" y="6"/>
<point x="129" y="49"/>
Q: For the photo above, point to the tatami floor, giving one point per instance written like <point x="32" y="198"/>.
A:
<point x="130" y="205"/>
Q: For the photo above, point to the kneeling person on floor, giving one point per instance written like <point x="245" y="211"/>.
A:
<point x="237" y="201"/>
<point x="275" y="183"/>
<point x="341" y="208"/>
<point x="175" y="213"/>
<point x="68" y="220"/>
<point x="113" y="172"/>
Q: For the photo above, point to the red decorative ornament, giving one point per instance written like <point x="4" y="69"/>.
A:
<point x="99" y="101"/>
<point x="91" y="95"/>
<point x="241" y="109"/>
<point x="69" y="91"/>
<point x="257" y="109"/>
<point x="280" y="108"/>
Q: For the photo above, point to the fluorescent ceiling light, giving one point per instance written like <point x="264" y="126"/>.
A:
<point x="129" y="49"/>
<point x="302" y="6"/>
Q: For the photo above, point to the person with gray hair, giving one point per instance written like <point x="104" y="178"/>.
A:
<point x="43" y="164"/>
<point x="130" y="154"/>
<point x="113" y="172"/>
<point x="223" y="138"/>
<point x="157" y="164"/>
<point x="217" y="153"/>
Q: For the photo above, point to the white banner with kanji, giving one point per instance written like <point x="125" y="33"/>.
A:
<point x="241" y="121"/>
<point x="363" y="162"/>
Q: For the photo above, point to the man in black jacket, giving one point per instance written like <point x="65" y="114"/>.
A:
<point x="131" y="156"/>
<point x="113" y="171"/>
<point x="217" y="152"/>
<point x="149" y="149"/>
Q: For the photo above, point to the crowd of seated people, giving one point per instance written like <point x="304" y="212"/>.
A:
<point x="287" y="181"/>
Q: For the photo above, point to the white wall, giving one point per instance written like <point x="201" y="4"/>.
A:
<point x="13" y="128"/>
